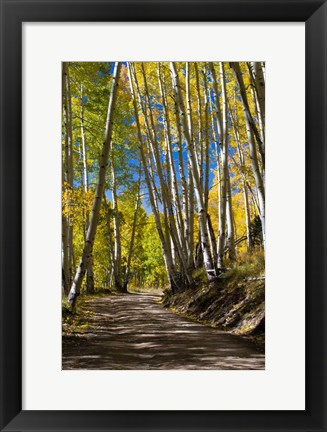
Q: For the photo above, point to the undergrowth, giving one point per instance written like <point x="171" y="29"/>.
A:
<point x="78" y="322"/>
<point x="248" y="265"/>
<point x="235" y="302"/>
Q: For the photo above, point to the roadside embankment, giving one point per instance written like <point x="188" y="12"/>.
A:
<point x="234" y="306"/>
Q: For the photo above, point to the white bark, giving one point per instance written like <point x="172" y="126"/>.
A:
<point x="187" y="192"/>
<point x="89" y="270"/>
<point x="142" y="145"/>
<point x="87" y="251"/>
<point x="259" y="201"/>
<point x="222" y="121"/>
<point x="211" y="273"/>
<point x="260" y="89"/>
<point x="258" y="179"/>
<point x="247" y="217"/>
<point x="165" y="192"/>
<point x="247" y="112"/>
<point x="172" y="172"/>
<point x="83" y="139"/>
<point x="117" y="240"/>
<point x="132" y="240"/>
<point x="244" y="182"/>
<point x="230" y="243"/>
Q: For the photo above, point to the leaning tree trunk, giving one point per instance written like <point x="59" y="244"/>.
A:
<point x="119" y="286"/>
<point x="190" y="222"/>
<point x="176" y="228"/>
<point x="108" y="212"/>
<point x="89" y="270"/>
<point x="187" y="187"/>
<point x="258" y="180"/>
<point x="208" y="262"/>
<point x="171" y="174"/>
<point x="206" y="157"/>
<point x="230" y="241"/>
<point x="253" y="136"/>
<point x="222" y="120"/>
<point x="257" y="77"/>
<point x="167" y="201"/>
<point x="166" y="248"/>
<point x="218" y="162"/>
<point x="247" y="217"/>
<point x="132" y="240"/>
<point x="242" y="169"/>
<point x="247" y="112"/>
<point x="107" y="143"/>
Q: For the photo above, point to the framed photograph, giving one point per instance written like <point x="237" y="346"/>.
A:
<point x="163" y="218"/>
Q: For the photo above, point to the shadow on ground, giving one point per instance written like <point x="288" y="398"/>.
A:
<point x="134" y="332"/>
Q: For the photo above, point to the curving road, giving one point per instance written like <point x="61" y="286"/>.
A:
<point x="134" y="332"/>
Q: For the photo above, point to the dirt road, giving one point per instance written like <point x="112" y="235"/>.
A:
<point x="135" y="332"/>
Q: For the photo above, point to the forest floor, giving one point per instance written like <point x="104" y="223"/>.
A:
<point x="134" y="331"/>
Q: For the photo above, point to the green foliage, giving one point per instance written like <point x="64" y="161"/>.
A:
<point x="90" y="84"/>
<point x="153" y="265"/>
<point x="199" y="275"/>
<point x="248" y="265"/>
<point x="78" y="322"/>
<point x="256" y="231"/>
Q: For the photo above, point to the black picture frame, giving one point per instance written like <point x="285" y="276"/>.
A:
<point x="13" y="14"/>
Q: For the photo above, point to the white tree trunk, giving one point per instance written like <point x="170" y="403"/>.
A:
<point x="208" y="262"/>
<point x="166" y="249"/>
<point x="222" y="121"/>
<point x="132" y="240"/>
<point x="241" y="167"/>
<point x="89" y="270"/>
<point x="165" y="192"/>
<point x="247" y="112"/>
<point x="87" y="250"/>
<point x="119" y="285"/>
<point x="247" y="217"/>
<point x="230" y="243"/>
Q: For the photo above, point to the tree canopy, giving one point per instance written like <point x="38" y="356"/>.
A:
<point x="163" y="172"/>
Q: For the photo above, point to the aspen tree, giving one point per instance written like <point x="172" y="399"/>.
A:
<point x="222" y="121"/>
<point x="132" y="239"/>
<point x="172" y="277"/>
<point x="177" y="239"/>
<point x="230" y="241"/>
<point x="244" y="181"/>
<point x="116" y="226"/>
<point x="172" y="171"/>
<point x="208" y="262"/>
<point x="253" y="136"/>
<point x="106" y="147"/>
<point x="89" y="270"/>
<point x="187" y="190"/>
<point x="68" y="175"/>
<point x="246" y="108"/>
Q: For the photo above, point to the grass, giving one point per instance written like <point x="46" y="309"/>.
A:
<point x="78" y="322"/>
<point x="248" y="265"/>
<point x="150" y="290"/>
<point x="200" y="275"/>
<point x="232" y="303"/>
